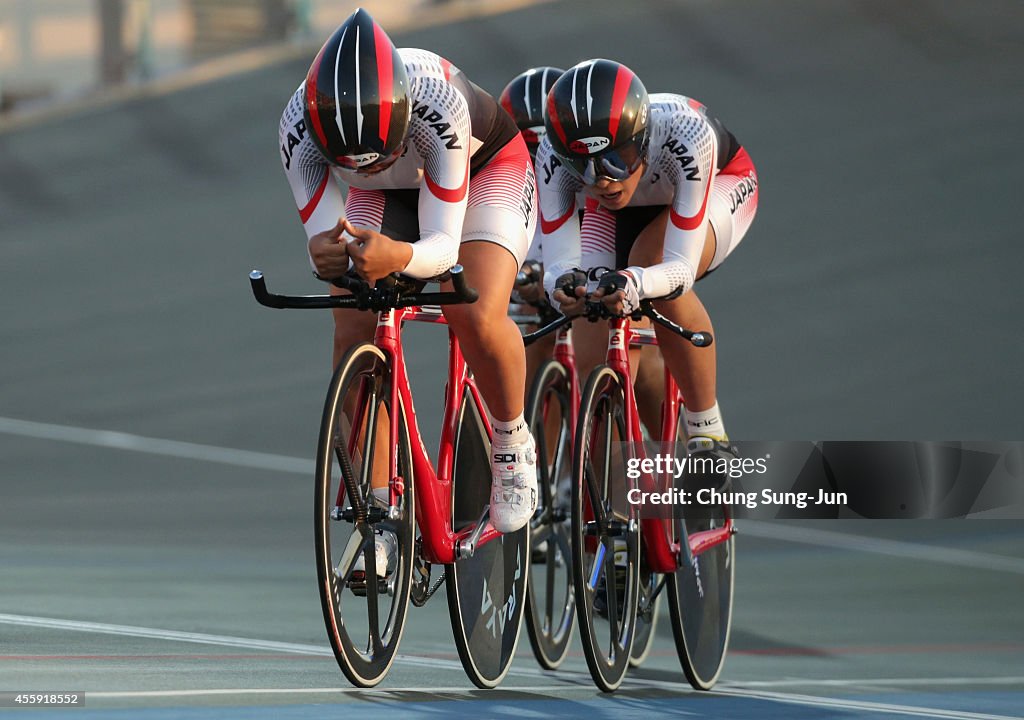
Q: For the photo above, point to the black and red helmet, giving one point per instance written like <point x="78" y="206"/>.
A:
<point x="597" y="115"/>
<point x="524" y="98"/>
<point x="357" y="96"/>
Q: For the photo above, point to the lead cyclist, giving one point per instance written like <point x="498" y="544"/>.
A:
<point x="671" y="193"/>
<point x="437" y="173"/>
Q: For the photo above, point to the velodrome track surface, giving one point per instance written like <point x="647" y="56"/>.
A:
<point x="156" y="425"/>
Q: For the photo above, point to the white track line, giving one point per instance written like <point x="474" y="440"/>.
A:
<point x="573" y="677"/>
<point x="156" y="446"/>
<point x="729" y="688"/>
<point x="894" y="548"/>
<point x="315" y="691"/>
<point x="228" y="641"/>
<point x="874" y="682"/>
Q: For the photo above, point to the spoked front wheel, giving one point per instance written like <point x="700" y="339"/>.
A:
<point x="550" y="602"/>
<point x="605" y="532"/>
<point x="364" y="612"/>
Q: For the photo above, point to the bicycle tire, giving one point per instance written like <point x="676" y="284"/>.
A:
<point x="700" y="597"/>
<point x="363" y="648"/>
<point x="550" y="598"/>
<point x="614" y="527"/>
<point x="646" y="617"/>
<point x="486" y="592"/>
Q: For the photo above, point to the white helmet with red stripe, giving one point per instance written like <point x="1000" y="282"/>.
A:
<point x="597" y="120"/>
<point x="357" y="97"/>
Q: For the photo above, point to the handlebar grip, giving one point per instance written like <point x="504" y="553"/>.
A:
<point x="462" y="288"/>
<point x="699" y="339"/>
<point x="354" y="285"/>
<point x="259" y="289"/>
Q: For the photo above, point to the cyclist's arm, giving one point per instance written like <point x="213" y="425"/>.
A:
<point x="441" y="134"/>
<point x="686" y="231"/>
<point x="559" y="221"/>
<point x="318" y="198"/>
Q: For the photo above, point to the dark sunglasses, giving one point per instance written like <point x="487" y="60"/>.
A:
<point x="613" y="165"/>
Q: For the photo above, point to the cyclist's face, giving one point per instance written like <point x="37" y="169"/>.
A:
<point x="615" y="194"/>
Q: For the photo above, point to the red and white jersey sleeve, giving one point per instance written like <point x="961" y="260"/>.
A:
<point x="317" y="196"/>
<point x="440" y="134"/>
<point x="683" y="153"/>
<point x="559" y="222"/>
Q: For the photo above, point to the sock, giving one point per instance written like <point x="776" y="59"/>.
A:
<point x="513" y="432"/>
<point x="705" y="422"/>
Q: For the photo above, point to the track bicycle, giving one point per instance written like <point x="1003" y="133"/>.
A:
<point x="369" y="429"/>
<point x="552" y="404"/>
<point x="693" y="554"/>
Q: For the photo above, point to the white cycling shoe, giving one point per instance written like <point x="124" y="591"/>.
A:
<point x="385" y="556"/>
<point x="513" y="486"/>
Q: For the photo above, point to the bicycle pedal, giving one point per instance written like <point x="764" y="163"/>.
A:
<point x="357" y="584"/>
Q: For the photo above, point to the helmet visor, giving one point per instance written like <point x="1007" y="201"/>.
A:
<point x="613" y="165"/>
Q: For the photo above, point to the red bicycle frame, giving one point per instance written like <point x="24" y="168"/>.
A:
<point x="441" y="544"/>
<point x="662" y="552"/>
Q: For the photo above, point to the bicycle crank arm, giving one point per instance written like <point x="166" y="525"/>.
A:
<point x="466" y="547"/>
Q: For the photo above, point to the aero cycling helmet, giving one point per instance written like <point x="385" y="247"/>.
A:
<point x="357" y="97"/>
<point x="524" y="98"/>
<point x="597" y="115"/>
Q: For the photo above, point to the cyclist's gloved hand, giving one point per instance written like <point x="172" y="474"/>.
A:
<point x="619" y="293"/>
<point x="570" y="292"/>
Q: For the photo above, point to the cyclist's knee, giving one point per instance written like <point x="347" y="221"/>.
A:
<point x="352" y="327"/>
<point x="487" y="321"/>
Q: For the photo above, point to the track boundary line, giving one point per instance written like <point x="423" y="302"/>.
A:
<point x="155" y="446"/>
<point x="566" y="678"/>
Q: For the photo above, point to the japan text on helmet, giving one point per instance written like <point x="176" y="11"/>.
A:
<point x="357" y="97"/>
<point x="524" y="99"/>
<point x="596" y="119"/>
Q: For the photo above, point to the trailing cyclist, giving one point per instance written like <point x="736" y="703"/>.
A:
<point x="670" y="193"/>
<point x="525" y="97"/>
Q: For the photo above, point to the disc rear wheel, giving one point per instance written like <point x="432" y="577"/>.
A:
<point x="486" y="592"/>
<point x="700" y="597"/>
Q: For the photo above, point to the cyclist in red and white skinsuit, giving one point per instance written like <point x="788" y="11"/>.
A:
<point x="671" y="194"/>
<point x="524" y="97"/>
<point x="436" y="174"/>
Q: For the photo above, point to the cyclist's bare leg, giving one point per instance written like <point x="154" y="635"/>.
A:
<point x="352" y="327"/>
<point x="490" y="340"/>
<point x="692" y="367"/>
<point x="649" y="380"/>
<point x="649" y="386"/>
